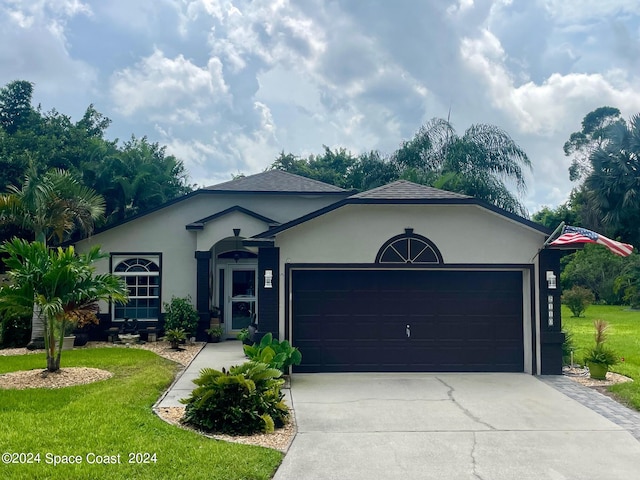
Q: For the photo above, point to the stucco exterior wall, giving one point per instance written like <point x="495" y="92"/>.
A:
<point x="163" y="231"/>
<point x="463" y="234"/>
<point x="222" y="227"/>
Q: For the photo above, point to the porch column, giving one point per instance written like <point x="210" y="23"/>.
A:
<point x="202" y="293"/>
<point x="268" y="259"/>
<point x="551" y="336"/>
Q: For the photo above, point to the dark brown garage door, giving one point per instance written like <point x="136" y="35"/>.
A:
<point x="423" y="321"/>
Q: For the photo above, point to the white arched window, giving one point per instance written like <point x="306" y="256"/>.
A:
<point x="409" y="248"/>
<point x="142" y="277"/>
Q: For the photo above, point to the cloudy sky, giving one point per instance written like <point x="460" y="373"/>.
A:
<point x="228" y="84"/>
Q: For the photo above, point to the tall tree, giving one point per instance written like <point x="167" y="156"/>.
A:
<point x="15" y="105"/>
<point x="613" y="186"/>
<point x="134" y="178"/>
<point x="484" y="162"/>
<point x="332" y="166"/>
<point x="593" y="135"/>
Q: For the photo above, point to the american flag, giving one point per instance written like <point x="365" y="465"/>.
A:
<point x="582" y="235"/>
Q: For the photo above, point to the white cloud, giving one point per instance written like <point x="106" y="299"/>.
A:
<point x="570" y="11"/>
<point x="460" y="7"/>
<point x="228" y="84"/>
<point x="34" y="47"/>
<point x="545" y="108"/>
<point x="159" y="82"/>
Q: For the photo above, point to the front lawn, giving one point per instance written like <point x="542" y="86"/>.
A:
<point x="623" y="338"/>
<point x="112" y="418"/>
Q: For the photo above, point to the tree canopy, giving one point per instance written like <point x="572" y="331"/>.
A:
<point x="132" y="176"/>
<point x="483" y="162"/>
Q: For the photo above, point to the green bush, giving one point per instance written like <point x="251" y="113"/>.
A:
<point x="180" y="313"/>
<point x="280" y="355"/>
<point x="242" y="401"/>
<point x="577" y="299"/>
<point x="15" y="331"/>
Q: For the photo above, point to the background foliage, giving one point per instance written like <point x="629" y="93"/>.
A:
<point x="132" y="176"/>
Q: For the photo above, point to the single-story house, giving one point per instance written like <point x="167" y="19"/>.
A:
<point x="402" y="277"/>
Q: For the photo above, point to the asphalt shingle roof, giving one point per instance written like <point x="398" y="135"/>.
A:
<point x="405" y="190"/>
<point x="276" y="181"/>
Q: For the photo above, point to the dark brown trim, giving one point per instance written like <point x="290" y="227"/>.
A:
<point x="404" y="266"/>
<point x="409" y="234"/>
<point x="160" y="274"/>
<point x="199" y="224"/>
<point x="418" y="201"/>
<point x="258" y="242"/>
<point x="534" y="333"/>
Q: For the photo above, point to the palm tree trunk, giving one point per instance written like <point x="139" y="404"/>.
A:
<point x="53" y="362"/>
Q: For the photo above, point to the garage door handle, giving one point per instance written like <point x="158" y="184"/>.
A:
<point x="408" y="331"/>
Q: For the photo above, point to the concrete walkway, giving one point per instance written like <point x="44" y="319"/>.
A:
<point x="444" y="426"/>
<point x="213" y="355"/>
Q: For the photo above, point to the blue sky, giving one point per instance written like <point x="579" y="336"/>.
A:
<point x="227" y="85"/>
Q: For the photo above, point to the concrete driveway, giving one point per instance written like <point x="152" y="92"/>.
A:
<point x="450" y="426"/>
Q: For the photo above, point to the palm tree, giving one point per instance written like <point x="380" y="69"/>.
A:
<point x="52" y="206"/>
<point x="613" y="186"/>
<point x="483" y="162"/>
<point x="64" y="285"/>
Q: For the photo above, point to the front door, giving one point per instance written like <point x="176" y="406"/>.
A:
<point x="241" y="297"/>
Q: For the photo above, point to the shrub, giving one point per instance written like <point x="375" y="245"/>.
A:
<point x="175" y="336"/>
<point x="242" y="401"/>
<point x="280" y="355"/>
<point x="577" y="299"/>
<point x="180" y="313"/>
<point x="15" y="331"/>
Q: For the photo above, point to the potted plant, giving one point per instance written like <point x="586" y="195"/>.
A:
<point x="215" y="333"/>
<point x="175" y="336"/>
<point x="599" y="357"/>
<point x="69" y="338"/>
<point x="244" y="336"/>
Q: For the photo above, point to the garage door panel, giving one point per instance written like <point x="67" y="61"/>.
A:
<point x="458" y="321"/>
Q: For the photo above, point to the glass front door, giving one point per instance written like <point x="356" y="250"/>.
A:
<point x="241" y="303"/>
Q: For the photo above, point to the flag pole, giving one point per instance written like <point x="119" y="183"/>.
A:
<point x="549" y="240"/>
<point x="551" y="237"/>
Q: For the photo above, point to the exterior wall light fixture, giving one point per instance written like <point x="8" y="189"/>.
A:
<point x="551" y="280"/>
<point x="268" y="279"/>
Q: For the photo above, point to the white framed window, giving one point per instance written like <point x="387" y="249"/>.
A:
<point x="142" y="277"/>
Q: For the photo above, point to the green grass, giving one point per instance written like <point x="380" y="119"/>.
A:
<point x="114" y="417"/>
<point x="623" y="338"/>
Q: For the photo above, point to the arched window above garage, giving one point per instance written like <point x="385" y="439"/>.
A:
<point x="409" y="248"/>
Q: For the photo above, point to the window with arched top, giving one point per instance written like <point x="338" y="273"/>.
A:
<point x="409" y="248"/>
<point x="142" y="277"/>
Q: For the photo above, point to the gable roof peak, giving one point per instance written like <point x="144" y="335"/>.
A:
<point x="276" y="181"/>
<point x="406" y="190"/>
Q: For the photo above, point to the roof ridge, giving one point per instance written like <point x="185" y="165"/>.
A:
<point x="276" y="181"/>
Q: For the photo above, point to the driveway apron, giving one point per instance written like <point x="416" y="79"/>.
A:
<point x="449" y="426"/>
